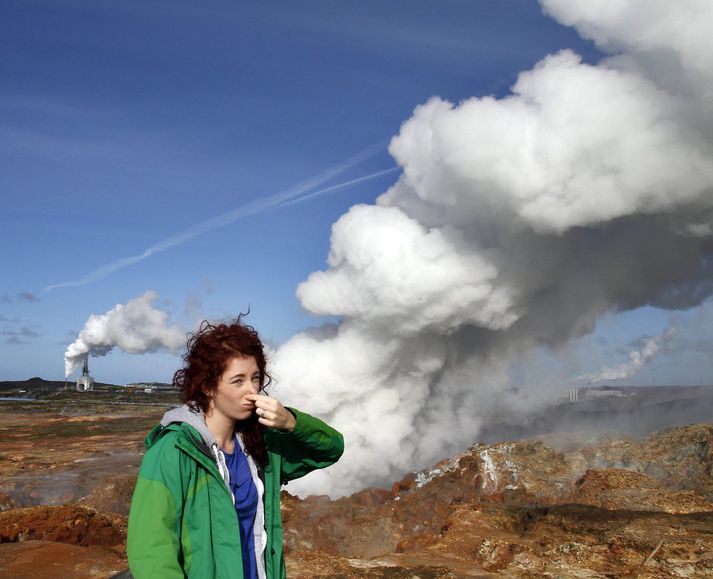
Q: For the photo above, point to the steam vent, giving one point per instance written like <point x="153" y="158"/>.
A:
<point x="85" y="382"/>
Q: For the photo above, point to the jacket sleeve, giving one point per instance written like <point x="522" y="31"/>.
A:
<point x="152" y="544"/>
<point x="311" y="445"/>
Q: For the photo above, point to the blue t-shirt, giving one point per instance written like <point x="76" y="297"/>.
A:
<point x="246" y="503"/>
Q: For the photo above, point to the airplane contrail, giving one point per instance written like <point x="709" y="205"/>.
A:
<point x="332" y="188"/>
<point x="295" y="194"/>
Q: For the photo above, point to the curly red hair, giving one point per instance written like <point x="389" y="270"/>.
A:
<point x="209" y="351"/>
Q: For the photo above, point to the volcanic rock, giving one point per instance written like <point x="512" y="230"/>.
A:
<point x="619" y="489"/>
<point x="541" y="507"/>
<point x="559" y="505"/>
<point x="69" y="524"/>
<point x="6" y="502"/>
<point x="111" y="495"/>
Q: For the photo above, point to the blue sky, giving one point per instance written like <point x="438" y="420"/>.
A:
<point x="126" y="123"/>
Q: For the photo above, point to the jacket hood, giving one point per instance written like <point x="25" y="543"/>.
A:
<point x="195" y="418"/>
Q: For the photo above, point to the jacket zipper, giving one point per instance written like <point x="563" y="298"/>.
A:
<point x="198" y="451"/>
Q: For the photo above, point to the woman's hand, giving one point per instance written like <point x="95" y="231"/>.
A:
<point x="272" y="413"/>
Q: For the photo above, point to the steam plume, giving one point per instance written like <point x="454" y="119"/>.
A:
<point x="516" y="224"/>
<point x="136" y="327"/>
<point x="637" y="359"/>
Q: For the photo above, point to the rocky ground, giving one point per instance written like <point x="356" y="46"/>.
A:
<point x="67" y="471"/>
<point x="556" y="506"/>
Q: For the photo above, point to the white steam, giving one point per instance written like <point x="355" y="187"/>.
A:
<point x="637" y="359"/>
<point x="516" y="224"/>
<point x="136" y="327"/>
<point x="388" y="270"/>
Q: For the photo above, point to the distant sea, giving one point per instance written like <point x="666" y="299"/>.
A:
<point x="19" y="399"/>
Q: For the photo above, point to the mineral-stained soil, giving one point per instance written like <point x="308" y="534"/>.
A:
<point x="48" y="458"/>
<point x="69" y="524"/>
<point x="41" y="559"/>
<point x="554" y="506"/>
<point x="533" y="508"/>
<point x="67" y="472"/>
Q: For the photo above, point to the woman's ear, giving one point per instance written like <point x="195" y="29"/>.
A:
<point x="209" y="402"/>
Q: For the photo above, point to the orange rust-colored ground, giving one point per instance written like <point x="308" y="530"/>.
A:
<point x="532" y="508"/>
<point x="42" y="559"/>
<point x="49" y="458"/>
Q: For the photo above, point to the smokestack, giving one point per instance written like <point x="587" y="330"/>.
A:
<point x="85" y="382"/>
<point x="136" y="327"/>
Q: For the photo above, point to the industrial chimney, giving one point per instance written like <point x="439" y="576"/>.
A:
<point x="85" y="382"/>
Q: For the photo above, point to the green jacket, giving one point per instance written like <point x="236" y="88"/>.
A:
<point x="183" y="522"/>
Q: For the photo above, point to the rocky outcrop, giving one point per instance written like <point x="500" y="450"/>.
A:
<point x="69" y="524"/>
<point x="111" y="495"/>
<point x="538" y="507"/>
<point x="624" y="490"/>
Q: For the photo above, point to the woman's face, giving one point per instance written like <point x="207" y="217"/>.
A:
<point x="240" y="378"/>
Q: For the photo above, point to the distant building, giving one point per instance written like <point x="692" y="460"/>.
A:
<point x="85" y="382"/>
<point x="150" y="387"/>
<point x="603" y="392"/>
<point x="599" y="392"/>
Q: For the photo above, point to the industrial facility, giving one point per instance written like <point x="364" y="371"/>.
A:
<point x="85" y="382"/>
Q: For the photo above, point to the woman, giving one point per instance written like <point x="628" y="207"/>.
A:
<point x="207" y="499"/>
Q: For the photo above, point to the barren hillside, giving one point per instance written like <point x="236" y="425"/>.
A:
<point x="565" y="505"/>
